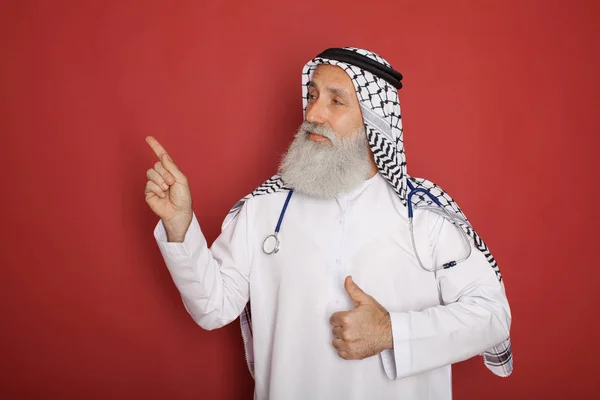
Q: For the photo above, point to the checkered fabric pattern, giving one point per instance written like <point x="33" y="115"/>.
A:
<point x="380" y="107"/>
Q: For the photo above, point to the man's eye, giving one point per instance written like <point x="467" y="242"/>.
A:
<point x="337" y="102"/>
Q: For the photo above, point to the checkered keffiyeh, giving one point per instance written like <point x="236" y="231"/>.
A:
<point x="380" y="108"/>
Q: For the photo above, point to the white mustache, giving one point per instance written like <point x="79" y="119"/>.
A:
<point x="322" y="130"/>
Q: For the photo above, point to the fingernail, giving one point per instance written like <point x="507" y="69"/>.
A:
<point x="165" y="186"/>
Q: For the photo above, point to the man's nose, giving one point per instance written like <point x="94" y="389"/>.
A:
<point x="315" y="113"/>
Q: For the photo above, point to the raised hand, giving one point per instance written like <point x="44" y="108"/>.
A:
<point x="168" y="193"/>
<point x="363" y="331"/>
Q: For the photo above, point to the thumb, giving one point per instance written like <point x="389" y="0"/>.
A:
<point x="356" y="293"/>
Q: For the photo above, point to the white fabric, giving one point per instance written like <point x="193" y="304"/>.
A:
<point x="437" y="318"/>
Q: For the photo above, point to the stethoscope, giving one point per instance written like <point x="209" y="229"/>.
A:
<point x="272" y="244"/>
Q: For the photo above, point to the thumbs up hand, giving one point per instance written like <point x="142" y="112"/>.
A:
<point x="363" y="331"/>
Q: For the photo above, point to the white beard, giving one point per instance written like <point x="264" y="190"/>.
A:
<point x="326" y="169"/>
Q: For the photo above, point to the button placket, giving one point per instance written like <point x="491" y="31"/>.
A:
<point x="339" y="260"/>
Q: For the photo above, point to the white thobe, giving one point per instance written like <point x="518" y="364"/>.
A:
<point x="437" y="318"/>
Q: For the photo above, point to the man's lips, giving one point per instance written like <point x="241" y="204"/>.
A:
<point x="316" y="137"/>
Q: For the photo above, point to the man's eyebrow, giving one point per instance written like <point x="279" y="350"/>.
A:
<point x="336" y="91"/>
<point x="339" y="92"/>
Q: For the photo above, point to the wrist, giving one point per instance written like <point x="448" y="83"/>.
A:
<point x="387" y="334"/>
<point x="175" y="237"/>
<point x="177" y="227"/>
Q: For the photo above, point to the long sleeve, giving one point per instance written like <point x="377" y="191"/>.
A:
<point x="473" y="316"/>
<point x="213" y="283"/>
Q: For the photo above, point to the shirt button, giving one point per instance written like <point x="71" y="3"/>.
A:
<point x="341" y="221"/>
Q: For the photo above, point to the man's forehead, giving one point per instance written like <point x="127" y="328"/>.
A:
<point x="327" y="73"/>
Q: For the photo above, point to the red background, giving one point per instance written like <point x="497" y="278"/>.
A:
<point x="500" y="105"/>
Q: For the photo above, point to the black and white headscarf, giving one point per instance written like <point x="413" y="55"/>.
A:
<point x="380" y="108"/>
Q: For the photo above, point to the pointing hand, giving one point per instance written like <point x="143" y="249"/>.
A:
<point x="168" y="193"/>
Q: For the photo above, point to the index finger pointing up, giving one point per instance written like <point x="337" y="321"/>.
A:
<point x="158" y="149"/>
<point x="166" y="161"/>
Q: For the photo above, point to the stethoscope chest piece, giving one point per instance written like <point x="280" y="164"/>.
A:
<point x="271" y="244"/>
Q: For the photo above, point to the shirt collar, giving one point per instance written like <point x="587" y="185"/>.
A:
<point x="344" y="198"/>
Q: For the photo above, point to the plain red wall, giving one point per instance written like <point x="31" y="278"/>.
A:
<point x="500" y="105"/>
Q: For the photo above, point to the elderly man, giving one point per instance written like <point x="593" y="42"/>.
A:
<point x="362" y="282"/>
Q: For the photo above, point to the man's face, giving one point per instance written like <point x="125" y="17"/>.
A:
<point x="332" y="102"/>
<point x="330" y="153"/>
